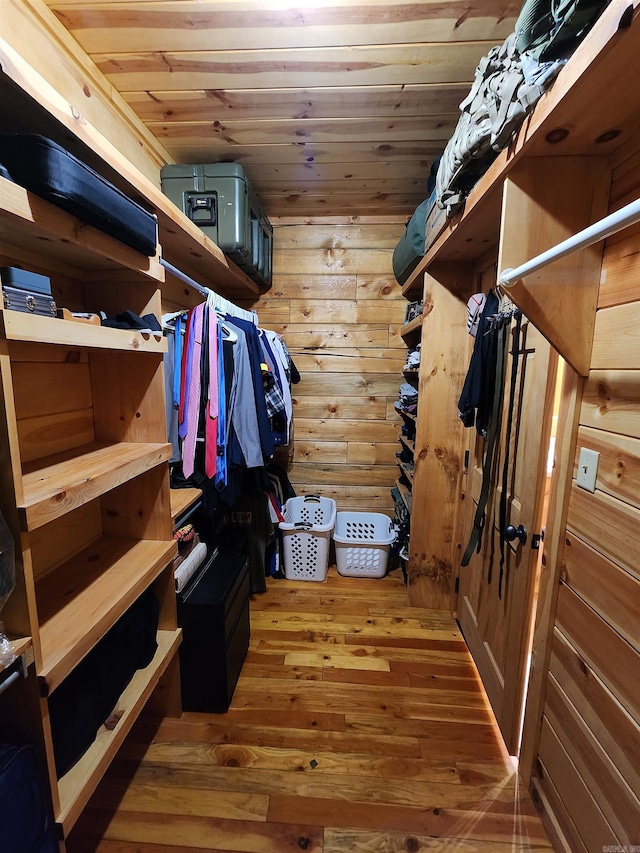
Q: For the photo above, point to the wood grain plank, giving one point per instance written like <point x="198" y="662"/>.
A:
<point x="429" y="822"/>
<point x="611" y="591"/>
<point x="231" y="835"/>
<point x="349" y="361"/>
<point x="320" y="451"/>
<point x="307" y="738"/>
<point x="366" y="65"/>
<point x="594" y="831"/>
<point x="602" y="648"/>
<point x="619" y="280"/>
<point x="365" y="841"/>
<point x="619" y="463"/>
<point x="336" y="236"/>
<point x="343" y="430"/>
<point x="345" y="475"/>
<point x="499" y="799"/>
<point x="606" y="523"/>
<point x="616" y="800"/>
<point x="53" y="389"/>
<point x="295" y="286"/>
<point x="359" y="453"/>
<point x="49" y="434"/>
<point x="267" y="131"/>
<point x="616" y="338"/>
<point x="191" y="26"/>
<point x="341" y="102"/>
<point x="315" y="335"/>
<point x="610" y="401"/>
<point x="354" y="385"/>
<point x="342" y="408"/>
<point x="615" y="730"/>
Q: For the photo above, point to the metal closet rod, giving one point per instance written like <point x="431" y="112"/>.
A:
<point x="623" y="218"/>
<point x="186" y="278"/>
<point x="217" y="301"/>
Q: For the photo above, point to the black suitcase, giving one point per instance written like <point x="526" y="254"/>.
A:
<point x="44" y="168"/>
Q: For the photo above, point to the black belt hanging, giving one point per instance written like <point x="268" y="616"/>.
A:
<point x="515" y="358"/>
<point x="475" y="540"/>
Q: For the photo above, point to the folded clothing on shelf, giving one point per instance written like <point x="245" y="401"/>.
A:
<point x="408" y="394"/>
<point x="413" y="358"/>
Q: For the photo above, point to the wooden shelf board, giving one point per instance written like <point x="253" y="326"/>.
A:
<point x="21" y="646"/>
<point x="19" y="326"/>
<point x="405" y="494"/>
<point x="413" y="285"/>
<point x="410" y="445"/>
<point x="407" y="472"/>
<point x="189" y="249"/>
<point x="182" y="499"/>
<point x="412" y="329"/>
<point x="56" y="485"/>
<point x="78" y="784"/>
<point x="31" y="223"/>
<point x="83" y="598"/>
<point x="411" y="372"/>
<point x="407" y="415"/>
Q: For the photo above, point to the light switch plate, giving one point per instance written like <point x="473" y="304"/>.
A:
<point x="588" y="469"/>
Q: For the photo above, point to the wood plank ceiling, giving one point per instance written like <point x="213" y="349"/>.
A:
<point x="332" y="106"/>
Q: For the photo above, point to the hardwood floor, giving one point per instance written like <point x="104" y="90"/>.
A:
<point x="358" y="726"/>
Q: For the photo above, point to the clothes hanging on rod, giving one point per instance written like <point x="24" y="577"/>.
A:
<point x="228" y="385"/>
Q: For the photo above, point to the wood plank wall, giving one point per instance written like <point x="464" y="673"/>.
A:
<point x="335" y="300"/>
<point x="589" y="755"/>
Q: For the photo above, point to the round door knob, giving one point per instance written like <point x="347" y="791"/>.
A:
<point x="519" y="533"/>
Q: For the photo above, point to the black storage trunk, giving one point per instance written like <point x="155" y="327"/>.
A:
<point x="213" y="612"/>
<point x="44" y="168"/>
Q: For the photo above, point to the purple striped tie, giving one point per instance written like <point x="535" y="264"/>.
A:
<point x="193" y="397"/>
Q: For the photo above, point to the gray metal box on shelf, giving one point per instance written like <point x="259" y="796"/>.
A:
<point x="219" y="199"/>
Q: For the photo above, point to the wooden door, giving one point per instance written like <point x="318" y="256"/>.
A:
<point x="497" y="628"/>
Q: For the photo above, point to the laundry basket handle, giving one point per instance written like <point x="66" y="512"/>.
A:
<point x="303" y="525"/>
<point x="313" y="498"/>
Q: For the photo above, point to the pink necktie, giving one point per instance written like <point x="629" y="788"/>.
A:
<point x="211" y="422"/>
<point x="193" y="397"/>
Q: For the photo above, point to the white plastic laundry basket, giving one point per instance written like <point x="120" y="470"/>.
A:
<point x="362" y="541"/>
<point x="306" y="535"/>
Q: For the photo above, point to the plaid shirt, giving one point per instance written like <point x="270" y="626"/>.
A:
<point x="272" y="395"/>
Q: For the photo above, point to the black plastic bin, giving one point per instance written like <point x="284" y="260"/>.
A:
<point x="213" y="612"/>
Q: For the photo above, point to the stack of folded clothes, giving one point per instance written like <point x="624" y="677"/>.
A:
<point x="408" y="401"/>
<point x="413" y="359"/>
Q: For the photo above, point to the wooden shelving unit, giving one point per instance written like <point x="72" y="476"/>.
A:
<point x="84" y="477"/>
<point x="182" y="500"/>
<point x="554" y="176"/>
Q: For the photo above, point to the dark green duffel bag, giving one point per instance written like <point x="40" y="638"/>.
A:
<point x="410" y="249"/>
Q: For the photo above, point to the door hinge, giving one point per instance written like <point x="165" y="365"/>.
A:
<point x="466" y="459"/>
<point x="456" y="586"/>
